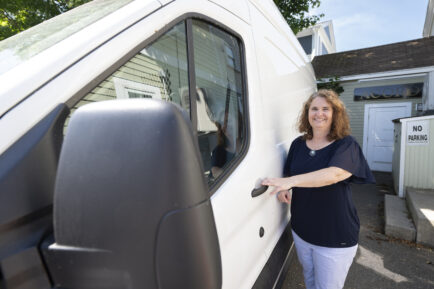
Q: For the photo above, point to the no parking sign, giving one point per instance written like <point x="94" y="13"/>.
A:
<point x="418" y="132"/>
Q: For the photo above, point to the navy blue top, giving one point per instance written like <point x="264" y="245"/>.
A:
<point x="326" y="216"/>
<point x="220" y="156"/>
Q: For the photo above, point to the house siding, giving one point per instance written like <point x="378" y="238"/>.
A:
<point x="356" y="109"/>
<point x="139" y="69"/>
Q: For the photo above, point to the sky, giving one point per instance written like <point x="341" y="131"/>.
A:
<point x="366" y="23"/>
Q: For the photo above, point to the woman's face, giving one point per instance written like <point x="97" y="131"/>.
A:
<point x="320" y="114"/>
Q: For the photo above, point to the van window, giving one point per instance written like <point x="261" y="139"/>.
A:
<point x="158" y="71"/>
<point x="219" y="102"/>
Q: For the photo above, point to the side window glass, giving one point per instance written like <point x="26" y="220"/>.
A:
<point x="219" y="102"/>
<point x="158" y="71"/>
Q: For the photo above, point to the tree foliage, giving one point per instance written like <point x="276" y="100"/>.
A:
<point x="296" y="13"/>
<point x="331" y="83"/>
<point x="19" y="15"/>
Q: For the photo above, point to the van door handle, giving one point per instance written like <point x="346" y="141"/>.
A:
<point x="259" y="191"/>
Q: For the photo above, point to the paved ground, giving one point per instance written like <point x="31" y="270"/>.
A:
<point x="381" y="262"/>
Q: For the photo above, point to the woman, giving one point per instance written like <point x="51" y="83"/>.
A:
<point x="319" y="168"/>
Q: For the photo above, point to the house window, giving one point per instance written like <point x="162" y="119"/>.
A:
<point x="327" y="30"/>
<point x="323" y="49"/>
<point x="130" y="89"/>
<point x="396" y="91"/>
<point x="306" y="43"/>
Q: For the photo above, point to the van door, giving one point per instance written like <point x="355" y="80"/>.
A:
<point x="254" y="108"/>
<point x="229" y="157"/>
<point x="286" y="79"/>
<point x="239" y="147"/>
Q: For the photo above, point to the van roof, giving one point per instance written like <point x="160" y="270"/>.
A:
<point x="18" y="48"/>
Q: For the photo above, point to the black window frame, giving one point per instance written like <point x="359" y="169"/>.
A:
<point x="187" y="18"/>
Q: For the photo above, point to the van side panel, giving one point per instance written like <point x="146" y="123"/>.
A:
<point x="286" y="79"/>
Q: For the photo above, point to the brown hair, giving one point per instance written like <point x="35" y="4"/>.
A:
<point x="340" y="123"/>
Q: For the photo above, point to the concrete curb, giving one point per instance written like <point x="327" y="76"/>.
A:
<point x="421" y="204"/>
<point x="398" y="224"/>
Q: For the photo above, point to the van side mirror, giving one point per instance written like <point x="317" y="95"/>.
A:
<point x="131" y="205"/>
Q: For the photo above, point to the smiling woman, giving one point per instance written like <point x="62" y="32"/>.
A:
<point x="319" y="168"/>
<point x="340" y="125"/>
<point x="320" y="114"/>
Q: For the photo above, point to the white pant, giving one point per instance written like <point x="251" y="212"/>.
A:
<point x="323" y="267"/>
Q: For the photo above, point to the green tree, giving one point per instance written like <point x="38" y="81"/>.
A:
<point x="19" y="15"/>
<point x="331" y="83"/>
<point x="296" y="12"/>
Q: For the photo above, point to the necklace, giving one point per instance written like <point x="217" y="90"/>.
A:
<point x="312" y="152"/>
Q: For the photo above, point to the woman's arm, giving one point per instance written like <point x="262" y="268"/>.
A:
<point x="319" y="178"/>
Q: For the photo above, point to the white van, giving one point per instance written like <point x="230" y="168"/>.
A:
<point x="173" y="112"/>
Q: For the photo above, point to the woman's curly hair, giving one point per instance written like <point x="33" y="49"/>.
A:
<point x="340" y="123"/>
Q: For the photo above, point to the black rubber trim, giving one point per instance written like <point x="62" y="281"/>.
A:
<point x="244" y="79"/>
<point x="27" y="219"/>
<point x="2" y="281"/>
<point x="274" y="272"/>
<point x="191" y="74"/>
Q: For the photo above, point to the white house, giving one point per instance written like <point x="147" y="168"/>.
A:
<point x="428" y="28"/>
<point x="318" y="39"/>
<point x="380" y="84"/>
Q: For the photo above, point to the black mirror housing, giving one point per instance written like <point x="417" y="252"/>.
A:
<point x="131" y="205"/>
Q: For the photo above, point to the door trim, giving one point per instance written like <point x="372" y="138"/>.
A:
<point x="366" y="123"/>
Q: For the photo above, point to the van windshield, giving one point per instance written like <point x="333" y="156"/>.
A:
<point x="18" y="48"/>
